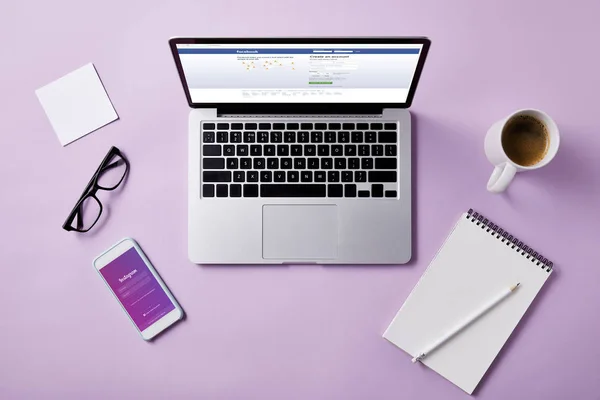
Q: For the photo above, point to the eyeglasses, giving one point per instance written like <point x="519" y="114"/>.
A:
<point x="108" y="176"/>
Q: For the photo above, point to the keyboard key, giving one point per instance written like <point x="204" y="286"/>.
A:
<point x="278" y="125"/>
<point x="276" y="137"/>
<point x="222" y="125"/>
<point x="252" y="176"/>
<point x="235" y="137"/>
<point x="283" y="149"/>
<point x="326" y="163"/>
<point x="300" y="163"/>
<point x="316" y="137"/>
<point x="350" y="190"/>
<point x="293" y="176"/>
<point x="306" y="176"/>
<point x="250" y="190"/>
<point x="376" y="126"/>
<point x="289" y="137"/>
<point x="321" y="126"/>
<point x="391" y="193"/>
<point x="250" y="125"/>
<point x="208" y="190"/>
<point x="335" y="126"/>
<point x="232" y="163"/>
<point x="239" y="176"/>
<point x="364" y="150"/>
<point x="362" y="126"/>
<point x="390" y="150"/>
<point x="344" y="137"/>
<point x="388" y="137"/>
<point x="367" y="163"/>
<point x="323" y="150"/>
<point x="348" y="125"/>
<point x="306" y="125"/>
<point x="269" y="150"/>
<point x="208" y="137"/>
<point x="364" y="193"/>
<point x="235" y="190"/>
<point x="360" y="176"/>
<point x="346" y="176"/>
<point x="298" y="190"/>
<point x="216" y="176"/>
<point x="256" y="150"/>
<point x="273" y="163"/>
<point x="263" y="137"/>
<point x="279" y="176"/>
<point x="266" y="176"/>
<point x="377" y="150"/>
<point x="335" y="190"/>
<point x="354" y="163"/>
<point x="377" y="190"/>
<point x="249" y="137"/>
<point x="350" y="150"/>
<point x="245" y="163"/>
<point x="392" y="126"/>
<point x="319" y="176"/>
<point x="293" y="125"/>
<point x="222" y="137"/>
<point x="382" y="176"/>
<point x="286" y="163"/>
<point x="370" y="137"/>
<point x="333" y="176"/>
<point x="330" y="137"/>
<point x="264" y="125"/>
<point x="211" y="150"/>
<point x="208" y="125"/>
<point x="221" y="190"/>
<point x="337" y="150"/>
<point x="296" y="150"/>
<point x="310" y="150"/>
<point x="213" y="163"/>
<point x="237" y="125"/>
<point x="357" y="137"/>
<point x="229" y="150"/>
<point x="386" y="163"/>
<point x="340" y="163"/>
<point x="242" y="150"/>
<point x="303" y="137"/>
<point x="259" y="163"/>
<point x="313" y="163"/>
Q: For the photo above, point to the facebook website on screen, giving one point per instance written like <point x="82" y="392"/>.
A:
<point x="299" y="73"/>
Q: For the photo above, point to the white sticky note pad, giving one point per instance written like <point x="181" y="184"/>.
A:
<point x="76" y="104"/>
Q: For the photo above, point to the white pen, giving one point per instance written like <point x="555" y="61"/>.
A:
<point x="466" y="321"/>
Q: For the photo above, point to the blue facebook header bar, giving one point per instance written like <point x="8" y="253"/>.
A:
<point x="298" y="51"/>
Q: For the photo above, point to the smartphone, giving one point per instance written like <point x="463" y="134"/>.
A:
<point x="138" y="288"/>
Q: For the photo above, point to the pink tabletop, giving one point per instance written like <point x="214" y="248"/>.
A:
<point x="293" y="332"/>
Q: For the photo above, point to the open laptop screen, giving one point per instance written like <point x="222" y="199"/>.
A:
<point x="217" y="73"/>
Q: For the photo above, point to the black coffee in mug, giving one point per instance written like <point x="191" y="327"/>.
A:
<point x="525" y="140"/>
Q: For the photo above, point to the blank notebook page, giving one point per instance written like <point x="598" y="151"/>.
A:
<point x="473" y="265"/>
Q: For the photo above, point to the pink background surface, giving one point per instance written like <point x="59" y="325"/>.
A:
<point x="295" y="332"/>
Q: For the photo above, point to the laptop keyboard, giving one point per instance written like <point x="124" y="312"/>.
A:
<point x="299" y="159"/>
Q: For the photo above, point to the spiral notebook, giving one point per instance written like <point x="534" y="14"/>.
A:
<point x="477" y="260"/>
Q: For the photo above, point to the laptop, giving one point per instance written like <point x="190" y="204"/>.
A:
<point x="299" y="148"/>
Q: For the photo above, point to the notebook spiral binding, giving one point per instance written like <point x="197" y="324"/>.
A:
<point x="510" y="240"/>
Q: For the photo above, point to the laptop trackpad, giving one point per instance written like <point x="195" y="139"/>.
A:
<point x="300" y="232"/>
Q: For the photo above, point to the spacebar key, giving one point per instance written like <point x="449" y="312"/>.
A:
<point x="291" y="190"/>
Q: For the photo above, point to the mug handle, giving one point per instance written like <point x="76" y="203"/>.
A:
<point x="501" y="178"/>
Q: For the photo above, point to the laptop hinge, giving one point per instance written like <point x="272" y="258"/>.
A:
<point x="300" y="110"/>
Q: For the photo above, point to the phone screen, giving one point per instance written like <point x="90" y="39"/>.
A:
<point x="137" y="289"/>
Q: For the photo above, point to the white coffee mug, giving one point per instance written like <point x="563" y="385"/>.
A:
<point x="504" y="168"/>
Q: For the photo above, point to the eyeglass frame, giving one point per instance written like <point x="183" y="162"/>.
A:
<point x="92" y="188"/>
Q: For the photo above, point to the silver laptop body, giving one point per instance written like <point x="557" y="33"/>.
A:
<point x="287" y="181"/>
